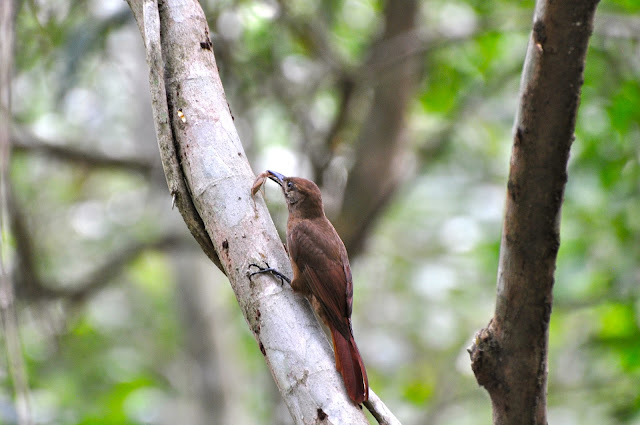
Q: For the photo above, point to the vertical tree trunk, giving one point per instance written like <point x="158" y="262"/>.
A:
<point x="380" y="159"/>
<point x="509" y="357"/>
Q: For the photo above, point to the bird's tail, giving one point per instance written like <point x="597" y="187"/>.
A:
<point x="350" y="365"/>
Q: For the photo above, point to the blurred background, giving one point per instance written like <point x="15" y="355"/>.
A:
<point x="402" y="112"/>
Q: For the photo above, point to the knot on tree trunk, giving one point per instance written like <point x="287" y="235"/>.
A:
<point x="485" y="353"/>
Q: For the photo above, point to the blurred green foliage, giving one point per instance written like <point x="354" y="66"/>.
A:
<point x="124" y="353"/>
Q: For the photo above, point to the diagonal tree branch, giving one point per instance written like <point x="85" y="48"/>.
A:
<point x="198" y="140"/>
<point x="21" y="141"/>
<point x="314" y="34"/>
<point x="509" y="357"/>
<point x="31" y="286"/>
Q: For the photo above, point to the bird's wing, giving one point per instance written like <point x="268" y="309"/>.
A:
<point x="320" y="256"/>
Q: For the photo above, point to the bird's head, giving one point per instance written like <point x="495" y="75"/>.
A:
<point x="303" y="196"/>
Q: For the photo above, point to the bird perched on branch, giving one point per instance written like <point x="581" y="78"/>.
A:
<point x="322" y="273"/>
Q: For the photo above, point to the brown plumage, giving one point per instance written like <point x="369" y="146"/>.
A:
<point x="321" y="272"/>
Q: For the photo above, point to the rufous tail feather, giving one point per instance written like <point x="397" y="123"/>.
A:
<point x="350" y="365"/>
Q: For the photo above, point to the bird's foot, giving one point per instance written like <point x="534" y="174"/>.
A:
<point x="268" y="269"/>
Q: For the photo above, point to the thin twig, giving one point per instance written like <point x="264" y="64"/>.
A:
<point x="379" y="410"/>
<point x="34" y="287"/>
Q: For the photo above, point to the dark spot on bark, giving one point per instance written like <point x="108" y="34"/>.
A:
<point x="547" y="313"/>
<point x="514" y="190"/>
<point x="257" y="328"/>
<point x="232" y="117"/>
<point x="207" y="44"/>
<point x="239" y="154"/>
<point x="554" y="243"/>
<point x="518" y="138"/>
<point x="262" y="350"/>
<point x="304" y="378"/>
<point x="558" y="194"/>
<point x="539" y="33"/>
<point x="225" y="245"/>
<point x="321" y="415"/>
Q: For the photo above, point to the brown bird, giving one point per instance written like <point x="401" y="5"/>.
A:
<point x="321" y="272"/>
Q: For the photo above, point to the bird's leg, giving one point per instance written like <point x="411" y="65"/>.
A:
<point x="268" y="269"/>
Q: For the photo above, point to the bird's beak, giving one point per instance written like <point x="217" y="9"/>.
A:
<point x="276" y="177"/>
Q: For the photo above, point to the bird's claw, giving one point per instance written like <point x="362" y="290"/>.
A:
<point x="268" y="269"/>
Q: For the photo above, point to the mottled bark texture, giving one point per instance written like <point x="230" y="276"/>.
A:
<point x="201" y="150"/>
<point x="509" y="357"/>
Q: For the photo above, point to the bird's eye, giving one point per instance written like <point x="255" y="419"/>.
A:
<point x="289" y="185"/>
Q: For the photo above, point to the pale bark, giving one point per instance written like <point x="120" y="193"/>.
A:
<point x="509" y="357"/>
<point x="195" y="126"/>
<point x="148" y="21"/>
